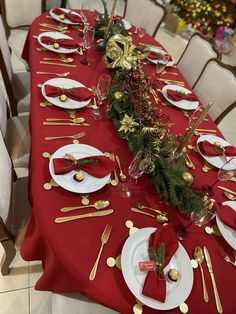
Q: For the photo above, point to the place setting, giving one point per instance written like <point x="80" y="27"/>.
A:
<point x="66" y="93"/>
<point x="157" y="268"/>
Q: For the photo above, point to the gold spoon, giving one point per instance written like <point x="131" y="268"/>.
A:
<point x="77" y="120"/>
<point x="65" y="60"/>
<point x="199" y="257"/>
<point x="121" y="174"/>
<point x="230" y="196"/>
<point x="159" y="218"/>
<point x="141" y="206"/>
<point x="101" y="204"/>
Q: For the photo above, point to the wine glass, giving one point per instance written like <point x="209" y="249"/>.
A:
<point x="101" y="93"/>
<point x="226" y="172"/>
<point x="88" y="42"/>
<point x="135" y="171"/>
<point x="161" y="64"/>
<point x="142" y="29"/>
<point x="199" y="217"/>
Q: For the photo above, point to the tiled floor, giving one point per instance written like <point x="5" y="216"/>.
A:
<point x="17" y="293"/>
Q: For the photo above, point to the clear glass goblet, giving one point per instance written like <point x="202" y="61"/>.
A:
<point x="88" y="43"/>
<point x="226" y="172"/>
<point x="199" y="217"/>
<point x="102" y="89"/>
<point x="135" y="172"/>
<point x="161" y="64"/>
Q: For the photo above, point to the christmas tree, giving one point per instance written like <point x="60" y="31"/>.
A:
<point x="207" y="16"/>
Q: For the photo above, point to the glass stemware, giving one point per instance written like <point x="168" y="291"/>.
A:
<point x="161" y="64"/>
<point x="199" y="217"/>
<point x="226" y="172"/>
<point x="142" y="29"/>
<point x="135" y="171"/>
<point x="101" y="93"/>
<point x="88" y="43"/>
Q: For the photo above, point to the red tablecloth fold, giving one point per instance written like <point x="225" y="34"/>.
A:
<point x="155" y="286"/>
<point x="75" y="93"/>
<point x="72" y="17"/>
<point x="63" y="43"/>
<point x="97" y="166"/>
<point x="227" y="215"/>
<point x="177" y="96"/>
<point x="210" y="149"/>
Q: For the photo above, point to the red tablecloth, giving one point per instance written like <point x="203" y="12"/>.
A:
<point x="69" y="250"/>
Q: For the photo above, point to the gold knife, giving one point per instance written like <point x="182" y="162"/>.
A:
<point x="93" y="214"/>
<point x="225" y="189"/>
<point x="65" y="123"/>
<point x="60" y="64"/>
<point x="216" y="294"/>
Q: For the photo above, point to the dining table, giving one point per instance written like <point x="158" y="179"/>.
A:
<point x="68" y="250"/>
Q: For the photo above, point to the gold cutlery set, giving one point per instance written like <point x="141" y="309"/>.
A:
<point x="122" y="176"/>
<point x="199" y="256"/>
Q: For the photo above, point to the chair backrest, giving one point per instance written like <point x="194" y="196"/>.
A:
<point x="29" y="10"/>
<point x="6" y="68"/>
<point x="5" y="185"/>
<point x="197" y="52"/>
<point x="150" y="10"/>
<point x="217" y="82"/>
<point x="3" y="113"/>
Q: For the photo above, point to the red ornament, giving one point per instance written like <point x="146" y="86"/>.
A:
<point x="135" y="75"/>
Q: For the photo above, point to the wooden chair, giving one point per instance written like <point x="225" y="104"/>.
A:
<point x="14" y="207"/>
<point x="17" y="85"/>
<point x="153" y="12"/>
<point x="15" y="131"/>
<point x="197" y="52"/>
<point x="217" y="82"/>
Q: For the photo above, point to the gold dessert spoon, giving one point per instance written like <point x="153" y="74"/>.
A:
<point x="65" y="60"/>
<point x="226" y="257"/>
<point x="141" y="206"/>
<point x="199" y="257"/>
<point x="100" y="204"/>
<point x="75" y="120"/>
<point x="159" y="218"/>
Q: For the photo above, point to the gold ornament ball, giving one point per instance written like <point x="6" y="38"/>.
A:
<point x="118" y="95"/>
<point x="56" y="45"/>
<point x="62" y="17"/>
<point x="63" y="98"/>
<point x="188" y="178"/>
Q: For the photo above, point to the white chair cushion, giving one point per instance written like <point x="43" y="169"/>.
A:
<point x="139" y="10"/>
<point x="198" y="52"/>
<point x="29" y="10"/>
<point x="218" y="84"/>
<point x="5" y="184"/>
<point x="24" y="104"/>
<point x="18" y="140"/>
<point x="21" y="84"/>
<point x="21" y="207"/>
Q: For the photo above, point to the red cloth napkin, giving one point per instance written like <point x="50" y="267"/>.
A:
<point x="210" y="149"/>
<point x="155" y="287"/>
<point x="63" y="43"/>
<point x="227" y="215"/>
<point x="154" y="55"/>
<point x="99" y="167"/>
<point x="177" y="96"/>
<point x="75" y="93"/>
<point x="72" y="17"/>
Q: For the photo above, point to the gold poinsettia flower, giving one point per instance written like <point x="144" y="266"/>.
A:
<point x="127" y="124"/>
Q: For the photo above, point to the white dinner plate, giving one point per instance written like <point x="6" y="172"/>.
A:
<point x="135" y="250"/>
<point x="66" y="181"/>
<point x="217" y="161"/>
<point x="66" y="21"/>
<point x="228" y="233"/>
<point x="127" y="24"/>
<point x="161" y="51"/>
<point x="64" y="83"/>
<point x="55" y="35"/>
<point x="182" y="104"/>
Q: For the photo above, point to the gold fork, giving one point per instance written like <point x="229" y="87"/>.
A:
<point x="104" y="238"/>
<point x="226" y="257"/>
